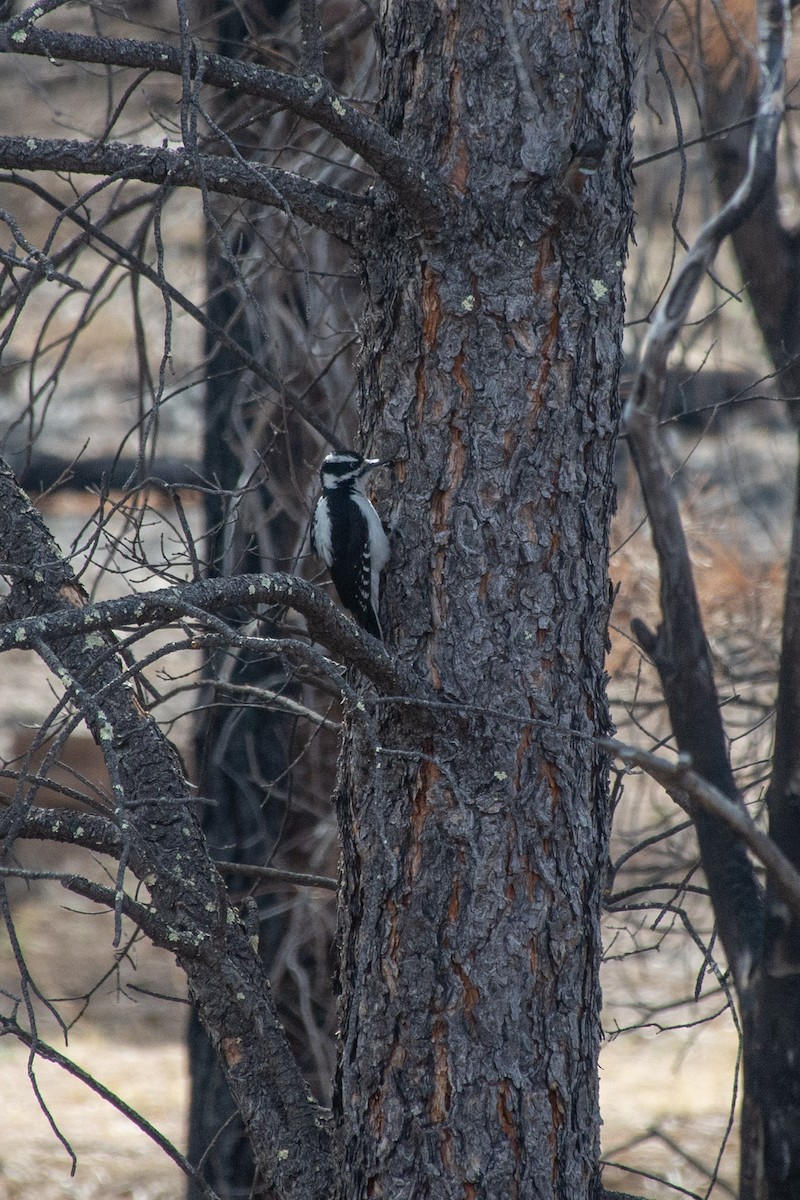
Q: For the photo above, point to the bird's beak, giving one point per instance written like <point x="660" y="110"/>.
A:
<point x="371" y="463"/>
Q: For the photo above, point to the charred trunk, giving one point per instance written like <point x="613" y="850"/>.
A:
<point x="474" y="823"/>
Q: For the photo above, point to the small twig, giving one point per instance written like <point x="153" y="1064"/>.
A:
<point x="262" y="371"/>
<point x="87" y="889"/>
<point x="191" y="547"/>
<point x="49" y="1054"/>
<point x="262" y="695"/>
<point x="119" y="108"/>
<point x="276" y="875"/>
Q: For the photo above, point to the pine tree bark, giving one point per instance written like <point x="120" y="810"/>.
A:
<point x="474" y="823"/>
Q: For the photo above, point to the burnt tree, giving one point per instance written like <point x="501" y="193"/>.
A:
<point x="474" y="821"/>
<point x="472" y="790"/>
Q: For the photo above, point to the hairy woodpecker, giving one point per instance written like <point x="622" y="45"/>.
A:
<point x="347" y="534"/>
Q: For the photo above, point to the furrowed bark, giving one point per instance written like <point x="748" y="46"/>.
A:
<point x="474" y="845"/>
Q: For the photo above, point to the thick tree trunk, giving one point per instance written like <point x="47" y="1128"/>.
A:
<point x="236" y="750"/>
<point x="474" y="826"/>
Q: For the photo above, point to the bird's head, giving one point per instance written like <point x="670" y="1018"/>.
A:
<point x="344" y="467"/>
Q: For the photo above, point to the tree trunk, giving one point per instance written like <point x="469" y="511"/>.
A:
<point x="474" y="825"/>
<point x="236" y="750"/>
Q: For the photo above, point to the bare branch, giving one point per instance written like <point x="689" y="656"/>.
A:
<point x="260" y="695"/>
<point x="318" y="203"/>
<point x="70" y="828"/>
<point x="680" y="649"/>
<point x="9" y="1027"/>
<point x="201" y="600"/>
<point x="681" y="781"/>
<point x="313" y="98"/>
<point x="311" y="38"/>
<point x="273" y="875"/>
<point x="648" y="388"/>
<point x="88" y="889"/>
<point x="225" y="975"/>
<point x="261" y="370"/>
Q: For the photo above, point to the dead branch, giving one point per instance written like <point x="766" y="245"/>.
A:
<point x="685" y="785"/>
<point x="671" y="313"/>
<point x="273" y="875"/>
<point x="160" y="830"/>
<point x="10" y="1027"/>
<point x="330" y="208"/>
<point x="88" y="889"/>
<point x="311" y="97"/>
<point x="784" y="786"/>
<point x="94" y="229"/>
<point x="200" y="601"/>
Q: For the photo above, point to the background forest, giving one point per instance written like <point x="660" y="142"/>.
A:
<point x="148" y="450"/>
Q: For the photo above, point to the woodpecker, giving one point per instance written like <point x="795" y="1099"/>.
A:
<point x="347" y="534"/>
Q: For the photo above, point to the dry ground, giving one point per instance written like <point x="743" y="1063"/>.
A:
<point x="130" y="1041"/>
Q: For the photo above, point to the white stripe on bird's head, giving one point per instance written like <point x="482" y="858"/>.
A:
<point x="344" y="466"/>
